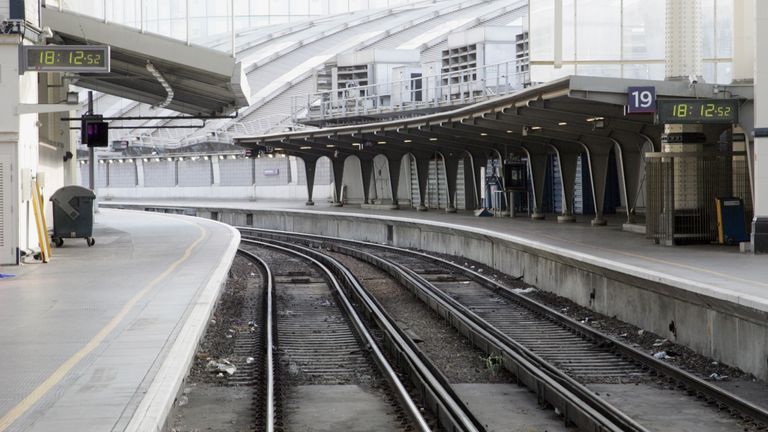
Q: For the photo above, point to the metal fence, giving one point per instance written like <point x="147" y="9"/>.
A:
<point x="458" y="87"/>
<point x="681" y="192"/>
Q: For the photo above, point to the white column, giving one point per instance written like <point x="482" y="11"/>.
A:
<point x="743" y="40"/>
<point x="216" y="169"/>
<point x="760" y="222"/>
<point x="683" y="39"/>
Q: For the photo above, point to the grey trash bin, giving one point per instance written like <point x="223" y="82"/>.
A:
<point x="73" y="214"/>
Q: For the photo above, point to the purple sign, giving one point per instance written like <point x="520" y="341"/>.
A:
<point x="641" y="100"/>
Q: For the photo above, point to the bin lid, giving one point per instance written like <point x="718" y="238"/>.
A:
<point x="66" y="193"/>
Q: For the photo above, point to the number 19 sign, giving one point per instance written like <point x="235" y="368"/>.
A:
<point x="641" y="100"/>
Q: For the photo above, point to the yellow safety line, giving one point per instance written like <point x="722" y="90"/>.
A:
<point x="662" y="261"/>
<point x="40" y="391"/>
<point x="40" y="240"/>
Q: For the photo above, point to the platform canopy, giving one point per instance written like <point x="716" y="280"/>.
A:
<point x="203" y="81"/>
<point x="573" y="112"/>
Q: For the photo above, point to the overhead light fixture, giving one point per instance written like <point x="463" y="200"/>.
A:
<point x="279" y="149"/>
<point x="509" y="131"/>
<point x="330" y="145"/>
<point x="407" y="141"/>
<point x="483" y="134"/>
<point x="270" y="155"/>
<point x="205" y="158"/>
<point x="305" y="148"/>
<point x="594" y="119"/>
<point x="381" y="142"/>
<point x="221" y="157"/>
<point x="433" y="139"/>
<point x="169" y="159"/>
<point x="535" y="127"/>
<point x="562" y="124"/>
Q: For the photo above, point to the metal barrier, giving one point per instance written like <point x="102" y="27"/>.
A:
<point x="681" y="192"/>
<point x="458" y="87"/>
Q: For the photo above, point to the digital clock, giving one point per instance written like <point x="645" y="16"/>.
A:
<point x="679" y="111"/>
<point x="65" y="58"/>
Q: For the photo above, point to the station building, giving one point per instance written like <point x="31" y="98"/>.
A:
<point x="391" y="103"/>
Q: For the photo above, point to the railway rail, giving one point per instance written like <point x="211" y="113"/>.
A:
<point x="318" y="317"/>
<point x="552" y="354"/>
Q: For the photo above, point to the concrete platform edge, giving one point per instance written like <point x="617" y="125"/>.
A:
<point x="726" y="325"/>
<point x="156" y="404"/>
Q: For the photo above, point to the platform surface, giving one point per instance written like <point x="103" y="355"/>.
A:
<point x="85" y="336"/>
<point x="719" y="271"/>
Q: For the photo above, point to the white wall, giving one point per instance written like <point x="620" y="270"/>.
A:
<point x="245" y="193"/>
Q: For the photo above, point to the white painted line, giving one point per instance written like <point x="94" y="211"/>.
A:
<point x="154" y="408"/>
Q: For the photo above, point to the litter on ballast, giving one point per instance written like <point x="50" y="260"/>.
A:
<point x="223" y="365"/>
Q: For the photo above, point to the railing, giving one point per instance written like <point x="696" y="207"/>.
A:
<point x="425" y="92"/>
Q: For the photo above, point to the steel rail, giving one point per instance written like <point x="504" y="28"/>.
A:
<point x="576" y="403"/>
<point x="452" y="413"/>
<point x="269" y="329"/>
<point x="362" y="330"/>
<point x="693" y="383"/>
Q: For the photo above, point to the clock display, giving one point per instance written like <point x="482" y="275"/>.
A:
<point x="698" y="111"/>
<point x="72" y="58"/>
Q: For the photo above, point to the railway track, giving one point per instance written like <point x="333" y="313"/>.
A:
<point x="559" y="359"/>
<point x="330" y="364"/>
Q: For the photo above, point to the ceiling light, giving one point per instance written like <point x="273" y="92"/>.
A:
<point x="381" y="142"/>
<point x="483" y="134"/>
<point x="305" y="148"/>
<point x="407" y="141"/>
<point x="509" y="131"/>
<point x="330" y="145"/>
<point x="594" y="119"/>
<point x="562" y="124"/>
<point x="535" y="127"/>
<point x="433" y="139"/>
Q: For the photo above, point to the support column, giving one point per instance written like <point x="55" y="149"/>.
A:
<point x="337" y="165"/>
<point x="479" y="161"/>
<point x="568" y="161"/>
<point x="366" y="171"/>
<point x="451" y="176"/>
<point x="760" y="222"/>
<point x="216" y="171"/>
<point x="310" y="163"/>
<point x="422" y="172"/>
<point x="598" y="173"/>
<point x="537" y="163"/>
<point x="631" y="159"/>
<point x="394" y="161"/>
<point x="683" y="39"/>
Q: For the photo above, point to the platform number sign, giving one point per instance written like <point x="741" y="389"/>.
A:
<point x="641" y="100"/>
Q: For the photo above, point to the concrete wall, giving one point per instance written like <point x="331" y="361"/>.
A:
<point x="722" y="329"/>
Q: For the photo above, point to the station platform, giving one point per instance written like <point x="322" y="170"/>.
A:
<point x="100" y="338"/>
<point x="708" y="269"/>
<point x="713" y="299"/>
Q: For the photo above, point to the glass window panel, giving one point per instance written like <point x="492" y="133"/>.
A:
<point x="600" y="70"/>
<point x="644" y="30"/>
<point x="318" y="7"/>
<point x="242" y="7"/>
<point x="653" y="71"/>
<point x="569" y="29"/>
<point x="338" y="6"/>
<point x="724" y="28"/>
<point x="279" y="7"/>
<point x="542" y="18"/>
<point x="709" y="72"/>
<point x="260" y="7"/>
<point x="355" y="5"/>
<point x="724" y="75"/>
<point x="598" y="30"/>
<point x="545" y="73"/>
<point x="708" y="28"/>
<point x="299" y="7"/>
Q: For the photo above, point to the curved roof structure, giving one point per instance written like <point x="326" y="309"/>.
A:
<point x="282" y="62"/>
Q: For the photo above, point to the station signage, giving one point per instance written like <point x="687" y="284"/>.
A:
<point x="641" y="100"/>
<point x="65" y="58"/>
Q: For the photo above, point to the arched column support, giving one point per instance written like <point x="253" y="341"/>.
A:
<point x="537" y="165"/>
<point x="567" y="157"/>
<point x="598" y="157"/>
<point x="310" y="163"/>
